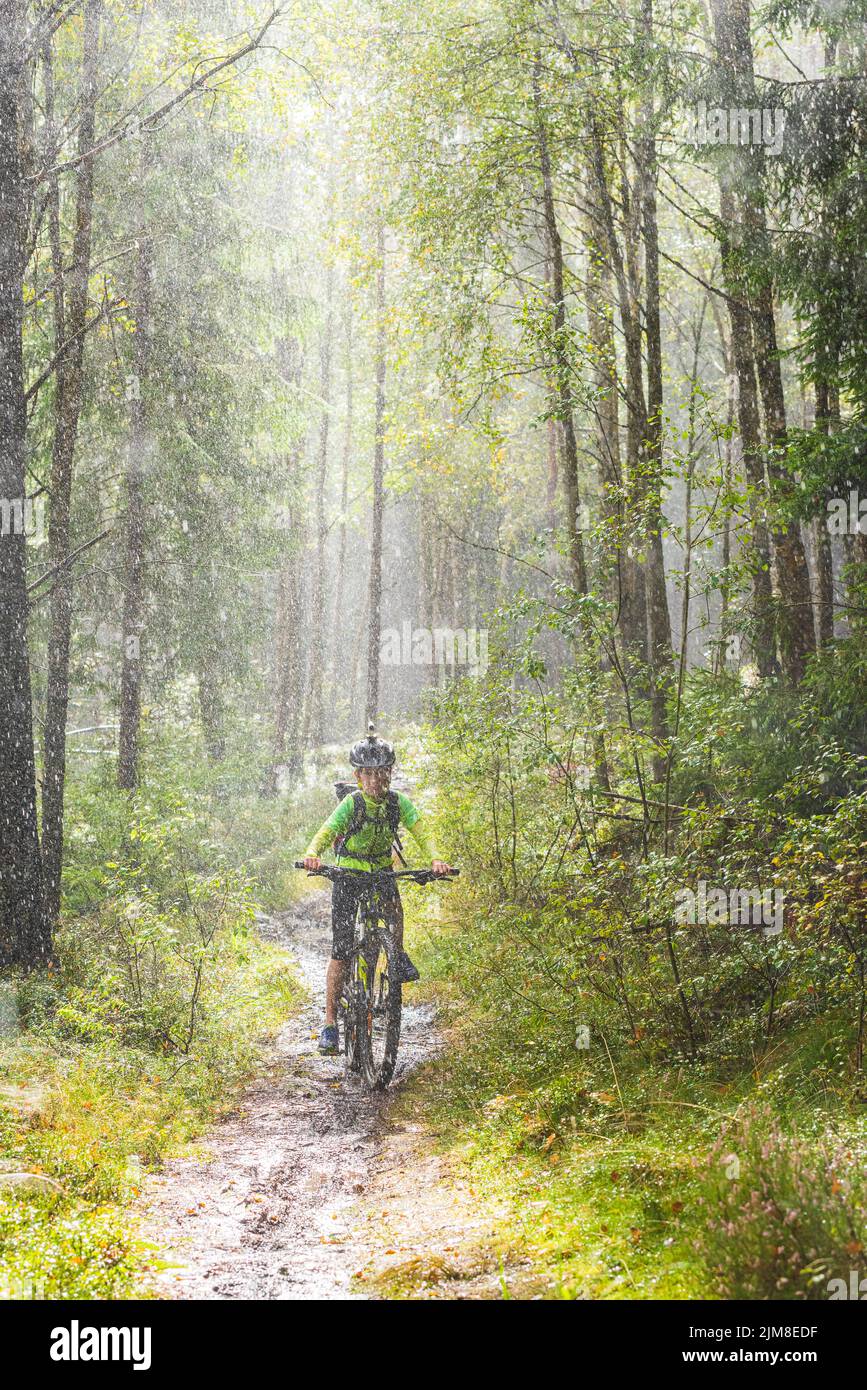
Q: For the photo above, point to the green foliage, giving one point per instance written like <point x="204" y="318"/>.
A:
<point x="143" y="1029"/>
<point x="600" y="1039"/>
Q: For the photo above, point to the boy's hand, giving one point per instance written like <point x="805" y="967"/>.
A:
<point x="440" y="868"/>
<point x="311" y="862"/>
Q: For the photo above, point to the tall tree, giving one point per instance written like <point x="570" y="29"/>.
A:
<point x="658" y="617"/>
<point x="25" y="936"/>
<point x="70" y="323"/>
<point x="374" y="592"/>
<point x="560" y="351"/>
<point x="313" y="717"/>
<point x="335" y="674"/>
<point x="749" y="430"/>
<point x="138" y="456"/>
<point x="735" y="55"/>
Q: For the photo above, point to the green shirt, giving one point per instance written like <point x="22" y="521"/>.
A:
<point x="372" y="843"/>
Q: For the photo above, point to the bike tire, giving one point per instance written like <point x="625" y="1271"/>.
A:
<point x="382" y="1011"/>
<point x="352" y="1015"/>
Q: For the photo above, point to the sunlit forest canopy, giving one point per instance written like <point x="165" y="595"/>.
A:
<point x="510" y="258"/>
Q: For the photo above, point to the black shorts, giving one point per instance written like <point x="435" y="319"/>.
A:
<point x="345" y="893"/>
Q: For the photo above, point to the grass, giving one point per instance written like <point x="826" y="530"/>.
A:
<point x="117" y="1058"/>
<point x="97" y="1116"/>
<point x="605" y="1169"/>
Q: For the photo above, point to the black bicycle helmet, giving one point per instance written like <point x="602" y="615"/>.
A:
<point x="371" y="751"/>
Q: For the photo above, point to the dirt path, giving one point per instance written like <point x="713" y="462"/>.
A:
<point x="311" y="1182"/>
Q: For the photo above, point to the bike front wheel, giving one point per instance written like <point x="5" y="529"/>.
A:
<point x="382" y="1009"/>
<point x="352" y="1015"/>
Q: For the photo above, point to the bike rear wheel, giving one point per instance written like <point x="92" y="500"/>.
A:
<point x="382" y="1010"/>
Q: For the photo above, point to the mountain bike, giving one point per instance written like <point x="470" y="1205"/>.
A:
<point x="371" y="1003"/>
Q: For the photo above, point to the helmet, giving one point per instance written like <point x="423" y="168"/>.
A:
<point x="371" y="751"/>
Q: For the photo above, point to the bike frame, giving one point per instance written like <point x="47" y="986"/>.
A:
<point x="370" y="928"/>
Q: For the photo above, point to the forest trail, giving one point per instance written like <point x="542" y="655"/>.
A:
<point x="311" y="1189"/>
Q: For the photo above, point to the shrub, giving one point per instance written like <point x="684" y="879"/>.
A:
<point x="783" y="1215"/>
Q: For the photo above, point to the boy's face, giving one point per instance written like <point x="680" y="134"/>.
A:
<point x="374" y="781"/>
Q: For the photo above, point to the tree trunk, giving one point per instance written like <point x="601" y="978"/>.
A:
<point x="633" y="597"/>
<point x="562" y="365"/>
<point x="600" y="334"/>
<point x="287" y="665"/>
<point x="796" y="634"/>
<point x="822" y="541"/>
<point x="735" y="57"/>
<point x="140" y="446"/>
<point x="552" y="480"/>
<point x="721" y="652"/>
<point x="339" y="624"/>
<point x="764" y="642"/>
<point x="576" y="519"/>
<point x="318" y="649"/>
<point x="25" y="934"/>
<point x="374" y="613"/>
<point x="658" y="617"/>
<point x="69" y="324"/>
<point x="289" y="613"/>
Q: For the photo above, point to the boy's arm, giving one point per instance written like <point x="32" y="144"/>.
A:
<point x="335" y="825"/>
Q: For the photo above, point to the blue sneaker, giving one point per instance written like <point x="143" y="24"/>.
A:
<point x="329" y="1042"/>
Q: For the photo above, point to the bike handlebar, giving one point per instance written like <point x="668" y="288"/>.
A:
<point x="334" y="871"/>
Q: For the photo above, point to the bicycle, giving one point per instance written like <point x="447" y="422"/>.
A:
<point x="371" y="1003"/>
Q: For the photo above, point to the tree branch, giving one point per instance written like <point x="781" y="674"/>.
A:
<point x="49" y="574"/>
<point x="104" y="312"/>
<point x="198" y="84"/>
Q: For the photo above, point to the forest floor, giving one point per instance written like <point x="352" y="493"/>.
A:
<point x="314" y="1187"/>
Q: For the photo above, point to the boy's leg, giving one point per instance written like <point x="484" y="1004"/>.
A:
<point x="393" y="913"/>
<point x="394" y="917"/>
<point x="344" y="904"/>
<point x="333" y="985"/>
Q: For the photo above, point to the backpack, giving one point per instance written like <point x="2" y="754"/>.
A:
<point x="361" y="818"/>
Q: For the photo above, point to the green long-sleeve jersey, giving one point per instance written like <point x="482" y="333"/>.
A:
<point x="370" y="847"/>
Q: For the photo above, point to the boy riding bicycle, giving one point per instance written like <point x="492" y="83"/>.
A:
<point x="363" y="828"/>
